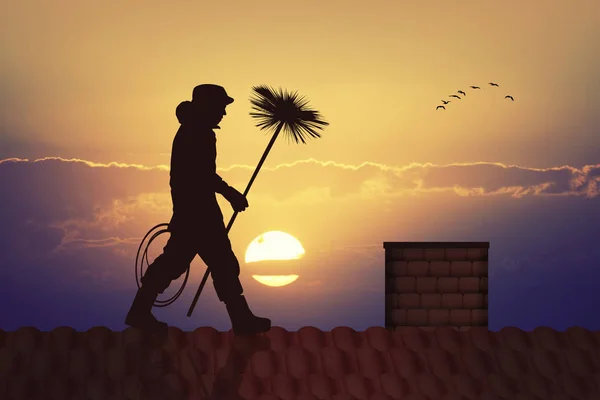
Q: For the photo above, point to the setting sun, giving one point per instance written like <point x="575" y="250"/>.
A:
<point x="272" y="246"/>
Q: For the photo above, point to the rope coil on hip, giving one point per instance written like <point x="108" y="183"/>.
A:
<point x="139" y="264"/>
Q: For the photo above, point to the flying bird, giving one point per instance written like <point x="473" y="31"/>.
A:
<point x="453" y="95"/>
<point x="446" y="101"/>
<point x="461" y="92"/>
<point x="442" y="107"/>
<point x="475" y="87"/>
<point x="509" y="97"/>
<point x="493" y="84"/>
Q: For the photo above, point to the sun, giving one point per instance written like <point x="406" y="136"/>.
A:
<point x="270" y="246"/>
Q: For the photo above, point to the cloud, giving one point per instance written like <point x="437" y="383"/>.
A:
<point x="89" y="204"/>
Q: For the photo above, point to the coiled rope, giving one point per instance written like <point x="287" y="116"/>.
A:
<point x="139" y="264"/>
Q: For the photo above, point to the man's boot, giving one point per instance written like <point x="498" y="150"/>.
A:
<point x="140" y="314"/>
<point x="243" y="321"/>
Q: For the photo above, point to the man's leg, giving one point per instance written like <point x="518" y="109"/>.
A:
<point x="218" y="256"/>
<point x="167" y="267"/>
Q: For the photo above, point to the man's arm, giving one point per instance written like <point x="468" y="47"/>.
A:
<point x="221" y="186"/>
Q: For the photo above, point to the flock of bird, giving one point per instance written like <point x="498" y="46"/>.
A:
<point x="456" y="96"/>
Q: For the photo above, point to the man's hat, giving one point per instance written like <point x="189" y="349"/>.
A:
<point x="210" y="94"/>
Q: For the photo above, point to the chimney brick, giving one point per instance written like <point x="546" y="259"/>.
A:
<point x="479" y="317"/>
<point x="452" y="300"/>
<point x="399" y="317"/>
<point x="413" y="254"/>
<point x="405" y="284"/>
<point x="418" y="268"/>
<point x="396" y="268"/>
<point x="460" y="317"/>
<point x="408" y="300"/>
<point x="431" y="300"/>
<point x="473" y="300"/>
<point x="448" y="285"/>
<point x="427" y="285"/>
<point x="456" y="254"/>
<point x="479" y="254"/>
<point x="483" y="284"/>
<point x="439" y="317"/>
<point x="434" y="284"/>
<point x="480" y="268"/>
<point x="461" y="268"/>
<point x="468" y="285"/>
<point x="435" y="255"/>
<point x="439" y="268"/>
<point x="417" y="317"/>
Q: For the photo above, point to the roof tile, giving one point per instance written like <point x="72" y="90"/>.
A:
<point x="205" y="339"/>
<point x="467" y="387"/>
<point x="450" y="339"/>
<point x="377" y="364"/>
<point x="334" y="362"/>
<point x="321" y="386"/>
<point x="431" y="386"/>
<point x="477" y="363"/>
<point x="546" y="363"/>
<point x="298" y="362"/>
<point x="483" y="339"/>
<point x="572" y="386"/>
<point x="502" y="385"/>
<point x="249" y="387"/>
<point x="81" y="363"/>
<point x="515" y="338"/>
<point x="265" y="364"/>
<point x="41" y="364"/>
<point x="583" y="339"/>
<point x="379" y="338"/>
<point x="311" y="338"/>
<point x="9" y="361"/>
<point x="549" y="338"/>
<point x="406" y="363"/>
<point x="442" y="364"/>
<point x="371" y="363"/>
<point x="535" y="385"/>
<point x="62" y="338"/>
<point x="512" y="363"/>
<point x="393" y="385"/>
<point x="346" y="338"/>
<point x="99" y="338"/>
<point x="26" y="340"/>
<point x="581" y="363"/>
<point x="284" y="386"/>
<point x="414" y="338"/>
<point x="357" y="386"/>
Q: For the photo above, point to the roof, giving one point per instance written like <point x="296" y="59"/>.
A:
<point x="377" y="364"/>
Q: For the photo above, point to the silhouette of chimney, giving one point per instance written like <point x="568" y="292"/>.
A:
<point x="433" y="284"/>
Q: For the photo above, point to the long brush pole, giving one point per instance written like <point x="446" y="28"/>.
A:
<point x="230" y="224"/>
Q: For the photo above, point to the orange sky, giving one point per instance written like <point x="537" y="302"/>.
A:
<point x="100" y="80"/>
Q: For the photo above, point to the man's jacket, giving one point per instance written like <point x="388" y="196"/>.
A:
<point x="194" y="180"/>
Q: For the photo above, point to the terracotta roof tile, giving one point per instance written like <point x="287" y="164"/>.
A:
<point x="376" y="364"/>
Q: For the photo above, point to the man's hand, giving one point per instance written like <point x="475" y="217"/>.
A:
<point x="237" y="200"/>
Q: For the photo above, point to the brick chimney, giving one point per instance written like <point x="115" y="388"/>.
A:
<point x="432" y="284"/>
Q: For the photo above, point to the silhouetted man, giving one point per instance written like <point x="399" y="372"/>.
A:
<point x="196" y="226"/>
